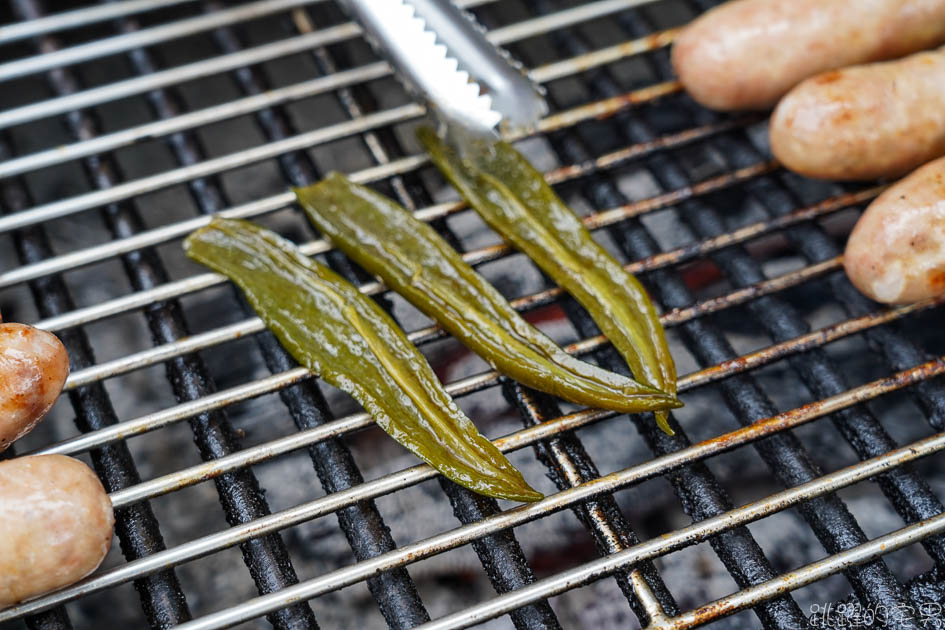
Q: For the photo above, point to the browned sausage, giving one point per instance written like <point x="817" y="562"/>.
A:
<point x="896" y="252"/>
<point x="864" y="122"/>
<point x="747" y="54"/>
<point x="55" y="525"/>
<point x="33" y="367"/>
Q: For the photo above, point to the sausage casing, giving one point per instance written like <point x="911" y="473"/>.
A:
<point x="864" y="122"/>
<point x="747" y="54"/>
<point x="33" y="367"/>
<point x="896" y="252"/>
<point x="55" y="525"/>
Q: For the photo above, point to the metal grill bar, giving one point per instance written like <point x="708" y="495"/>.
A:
<point x="251" y="104"/>
<point x="138" y="530"/>
<point x="56" y="619"/>
<point x="501" y="556"/>
<point x="180" y="74"/>
<point x="780" y="196"/>
<point x="362" y="524"/>
<point x="156" y="354"/>
<point x="702" y="216"/>
<point x="240" y="495"/>
<point x="911" y="496"/>
<point x="267" y="52"/>
<point x="570" y="466"/>
<point x="160" y="235"/>
<point x="814" y="244"/>
<point x="750" y="564"/>
<point x="202" y="281"/>
<point x="668" y="542"/>
<point x="910" y="489"/>
<point x="816" y="571"/>
<point x="160" y="419"/>
<point x="567" y="67"/>
<point x="130" y="428"/>
<point x="661" y="465"/>
<point x="860" y="428"/>
<point x="776" y="196"/>
<point x="291" y="93"/>
<point x="256" y="454"/>
<point x="213" y="166"/>
<point x="221" y="17"/>
<point x="698" y="490"/>
<point x="589" y="572"/>
<point x="140" y="38"/>
<point x="79" y="17"/>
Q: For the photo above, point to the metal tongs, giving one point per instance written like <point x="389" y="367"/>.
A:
<point x="443" y="57"/>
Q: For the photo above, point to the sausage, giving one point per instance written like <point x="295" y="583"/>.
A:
<point x="896" y="252"/>
<point x="747" y="54"/>
<point x="33" y="368"/>
<point x="864" y="122"/>
<point x="55" y="525"/>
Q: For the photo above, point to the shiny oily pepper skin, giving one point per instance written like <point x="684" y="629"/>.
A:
<point x="515" y="200"/>
<point x="344" y="337"/>
<point x="417" y="263"/>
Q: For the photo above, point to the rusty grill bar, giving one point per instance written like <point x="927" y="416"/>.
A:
<point x="611" y="123"/>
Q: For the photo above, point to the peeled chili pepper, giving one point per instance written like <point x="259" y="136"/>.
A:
<point x="417" y="263"/>
<point x="343" y="336"/>
<point x="516" y="201"/>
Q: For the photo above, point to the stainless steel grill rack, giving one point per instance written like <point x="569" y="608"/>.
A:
<point x="126" y="124"/>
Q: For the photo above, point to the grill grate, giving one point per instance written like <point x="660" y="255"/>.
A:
<point x="833" y="524"/>
<point x="617" y="118"/>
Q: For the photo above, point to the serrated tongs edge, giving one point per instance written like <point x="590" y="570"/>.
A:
<point x="443" y="57"/>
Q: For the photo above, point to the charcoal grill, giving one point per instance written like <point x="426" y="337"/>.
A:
<point x="126" y="123"/>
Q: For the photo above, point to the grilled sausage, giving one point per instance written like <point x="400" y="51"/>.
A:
<point x="55" y="525"/>
<point x="33" y="368"/>
<point x="747" y="54"/>
<point x="896" y="252"/>
<point x="864" y="122"/>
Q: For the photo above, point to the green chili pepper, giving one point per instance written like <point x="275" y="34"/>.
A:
<point x="335" y="331"/>
<point x="417" y="263"/>
<point x="517" y="202"/>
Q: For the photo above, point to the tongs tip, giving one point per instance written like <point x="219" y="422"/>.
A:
<point x="444" y="57"/>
